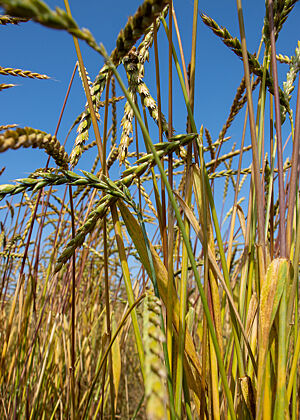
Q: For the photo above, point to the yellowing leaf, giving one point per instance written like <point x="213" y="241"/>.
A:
<point x="276" y="279"/>
<point x="271" y="292"/>
<point x="136" y="235"/>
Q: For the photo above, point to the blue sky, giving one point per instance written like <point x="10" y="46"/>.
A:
<point x="37" y="103"/>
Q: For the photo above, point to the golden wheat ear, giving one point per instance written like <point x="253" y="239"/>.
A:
<point x="8" y="71"/>
<point x="30" y="137"/>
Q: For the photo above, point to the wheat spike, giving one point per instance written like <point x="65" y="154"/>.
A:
<point x="29" y="137"/>
<point x="238" y="103"/>
<point x="283" y="58"/>
<point x="8" y="71"/>
<point x="4" y="86"/>
<point x="7" y="127"/>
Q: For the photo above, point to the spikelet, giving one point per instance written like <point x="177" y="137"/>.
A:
<point x="210" y="145"/>
<point x="4" y="20"/>
<point x="4" y="86"/>
<point x="155" y="374"/>
<point x="90" y="84"/>
<point x="7" y="127"/>
<point x="2" y="239"/>
<point x="233" y="43"/>
<point x="135" y="27"/>
<point x="281" y="10"/>
<point x="29" y="137"/>
<point x="228" y="166"/>
<point x="81" y="139"/>
<point x="36" y="173"/>
<point x="85" y="118"/>
<point x="130" y="64"/>
<point x="242" y="182"/>
<point x="283" y="59"/>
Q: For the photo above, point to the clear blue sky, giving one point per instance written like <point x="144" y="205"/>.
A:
<point x="37" y="103"/>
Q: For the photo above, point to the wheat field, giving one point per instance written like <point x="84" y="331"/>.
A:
<point x="150" y="267"/>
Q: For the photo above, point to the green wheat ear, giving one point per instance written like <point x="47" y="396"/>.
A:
<point x="155" y="373"/>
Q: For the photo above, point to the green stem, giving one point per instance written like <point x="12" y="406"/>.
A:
<point x="181" y="227"/>
<point x="214" y="214"/>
